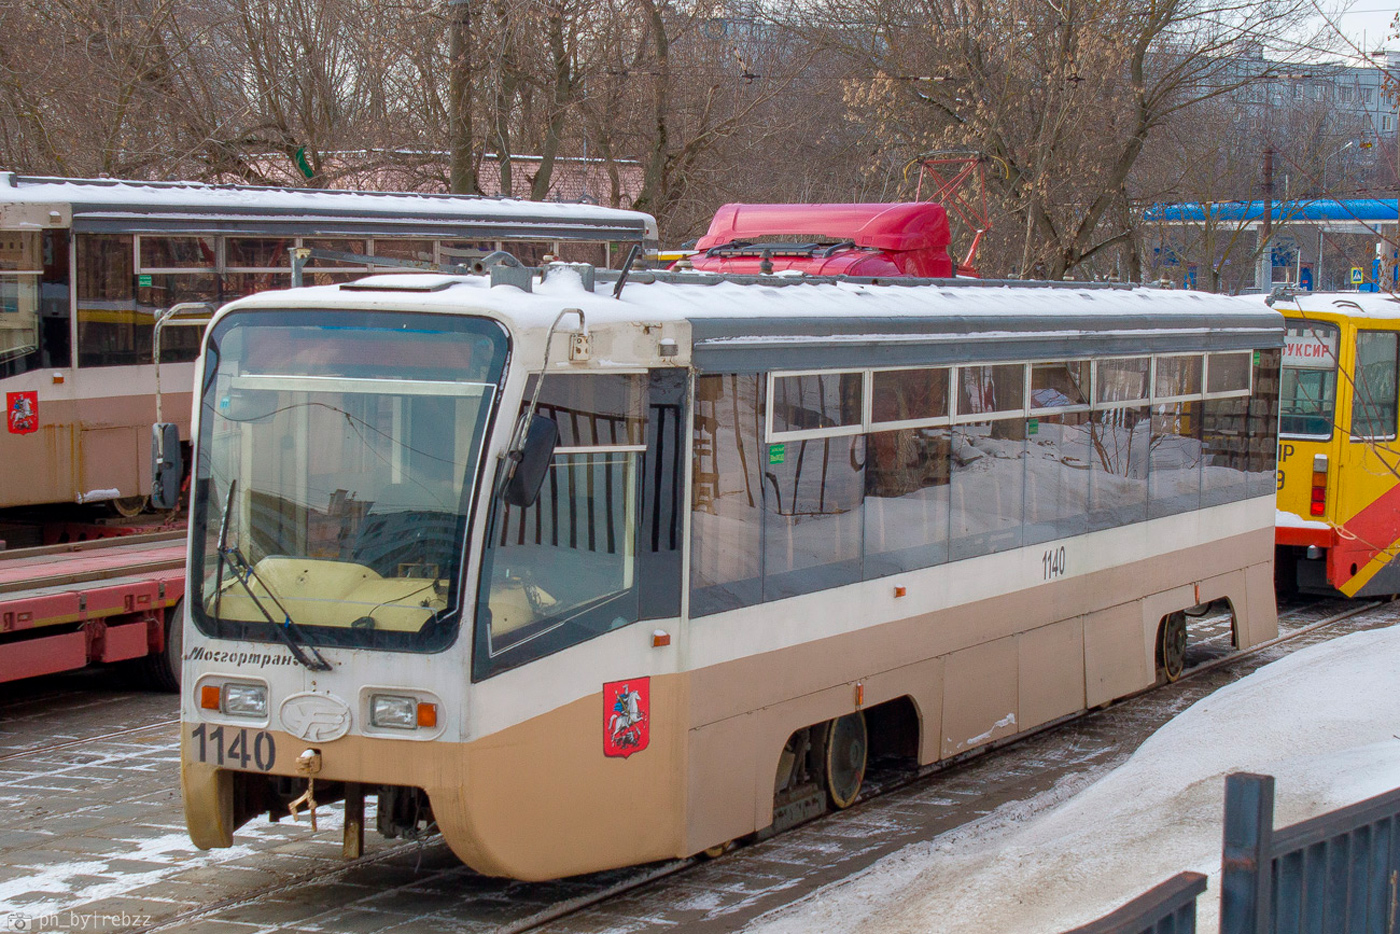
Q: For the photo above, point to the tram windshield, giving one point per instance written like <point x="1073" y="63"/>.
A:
<point x="1308" y="388"/>
<point x="339" y="452"/>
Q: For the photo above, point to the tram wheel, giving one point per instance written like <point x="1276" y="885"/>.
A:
<point x="846" y="748"/>
<point x="128" y="507"/>
<point x="715" y="852"/>
<point x="1171" y="645"/>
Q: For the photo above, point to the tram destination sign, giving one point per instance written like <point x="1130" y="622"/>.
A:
<point x="1310" y="348"/>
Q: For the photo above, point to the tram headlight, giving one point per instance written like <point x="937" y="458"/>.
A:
<point x="393" y="711"/>
<point x="245" y="700"/>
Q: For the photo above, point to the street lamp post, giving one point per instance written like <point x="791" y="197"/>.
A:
<point x="1317" y="273"/>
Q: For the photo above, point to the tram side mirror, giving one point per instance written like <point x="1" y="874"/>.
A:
<point x="167" y="467"/>
<point x="522" y="488"/>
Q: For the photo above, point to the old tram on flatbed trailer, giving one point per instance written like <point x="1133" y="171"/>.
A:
<point x="750" y="531"/>
<point x="1338" y="485"/>
<point x="87" y="266"/>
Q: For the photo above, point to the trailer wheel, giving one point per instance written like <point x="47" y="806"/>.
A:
<point x="1171" y="645"/>
<point x="161" y="670"/>
<point x="846" y="747"/>
<point x="128" y="507"/>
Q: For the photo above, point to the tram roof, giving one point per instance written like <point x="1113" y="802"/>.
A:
<point x="1370" y="305"/>
<point x="129" y="206"/>
<point x="790" y="322"/>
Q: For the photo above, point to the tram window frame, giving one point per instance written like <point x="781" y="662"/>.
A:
<point x="583" y="251"/>
<point x="1388" y="411"/>
<point x="292" y="243"/>
<point x="923" y="421"/>
<point x="1099" y="402"/>
<point x="139" y="241"/>
<point x="1327" y="377"/>
<point x="1191" y="395"/>
<point x="974" y="418"/>
<point x="417" y="257"/>
<point x="1072" y="408"/>
<point x="333" y="244"/>
<point x="28" y="290"/>
<point x="859" y="426"/>
<point x="1246" y="390"/>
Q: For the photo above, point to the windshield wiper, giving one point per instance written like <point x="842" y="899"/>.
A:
<point x="287" y="631"/>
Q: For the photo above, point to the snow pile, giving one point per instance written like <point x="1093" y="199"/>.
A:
<point x="1323" y="721"/>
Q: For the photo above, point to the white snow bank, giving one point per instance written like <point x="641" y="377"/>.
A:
<point x="1323" y="721"/>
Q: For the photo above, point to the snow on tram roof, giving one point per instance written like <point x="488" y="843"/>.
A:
<point x="713" y="297"/>
<point x="790" y="322"/>
<point x="1376" y="305"/>
<point x="113" y="198"/>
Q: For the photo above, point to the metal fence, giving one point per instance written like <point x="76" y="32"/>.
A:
<point x="1333" y="874"/>
<point x="1169" y="908"/>
<point x="1338" y="873"/>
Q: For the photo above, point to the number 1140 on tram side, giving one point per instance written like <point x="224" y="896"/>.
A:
<point x="584" y="582"/>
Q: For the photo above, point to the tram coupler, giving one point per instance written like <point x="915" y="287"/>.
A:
<point x="308" y="764"/>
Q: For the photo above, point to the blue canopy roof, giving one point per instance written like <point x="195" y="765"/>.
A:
<point x="1312" y="210"/>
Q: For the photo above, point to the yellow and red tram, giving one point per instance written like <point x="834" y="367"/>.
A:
<point x="1339" y="466"/>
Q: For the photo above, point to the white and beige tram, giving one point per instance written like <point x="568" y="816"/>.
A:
<point x="87" y="266"/>
<point x="739" y="539"/>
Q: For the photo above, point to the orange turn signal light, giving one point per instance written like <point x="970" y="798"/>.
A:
<point x="209" y="697"/>
<point x="427" y="715"/>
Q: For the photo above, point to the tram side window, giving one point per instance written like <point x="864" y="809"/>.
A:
<point x="175" y="269"/>
<point x="335" y="271"/>
<point x="1174" y="458"/>
<point x="574" y="251"/>
<point x="421" y="251"/>
<point x="1058" y="451"/>
<point x="254" y="264"/>
<point x="33" y="301"/>
<point x="1225" y="438"/>
<point x="726" y="502"/>
<point x="1119" y="438"/>
<point x="1308" y="386"/>
<point x="1373" y="407"/>
<point x="813" y="536"/>
<point x="565" y="569"/>
<point x="1264" y="425"/>
<point x="926" y="483"/>
<point x="1058" y="456"/>
<point x="988" y="461"/>
<point x="109" y="328"/>
<point x="907" y="471"/>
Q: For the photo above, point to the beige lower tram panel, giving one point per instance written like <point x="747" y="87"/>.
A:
<point x="540" y="800"/>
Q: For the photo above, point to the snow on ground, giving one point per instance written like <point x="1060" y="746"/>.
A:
<point x="1324" y="721"/>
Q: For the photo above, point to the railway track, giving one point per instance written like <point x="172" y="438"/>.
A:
<point x="1306" y="618"/>
<point x="88" y="740"/>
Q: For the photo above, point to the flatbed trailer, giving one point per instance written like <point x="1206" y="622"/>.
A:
<point x="63" y="607"/>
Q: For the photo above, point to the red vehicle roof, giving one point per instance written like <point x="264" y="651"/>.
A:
<point x="914" y="236"/>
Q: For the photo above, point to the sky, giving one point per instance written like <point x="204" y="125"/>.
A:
<point x="1321" y="721"/>
<point x="1370" y="19"/>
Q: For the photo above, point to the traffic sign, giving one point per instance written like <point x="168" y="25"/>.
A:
<point x="1356" y="277"/>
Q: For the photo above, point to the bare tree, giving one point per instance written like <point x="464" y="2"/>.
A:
<point x="1065" y="96"/>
